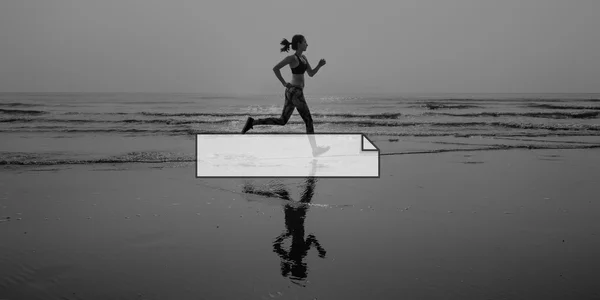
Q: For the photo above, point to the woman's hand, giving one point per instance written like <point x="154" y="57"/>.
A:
<point x="288" y="85"/>
<point x="322" y="62"/>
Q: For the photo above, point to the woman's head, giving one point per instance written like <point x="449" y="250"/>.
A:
<point x="298" y="42"/>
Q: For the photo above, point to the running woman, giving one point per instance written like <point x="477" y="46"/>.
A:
<point x="294" y="95"/>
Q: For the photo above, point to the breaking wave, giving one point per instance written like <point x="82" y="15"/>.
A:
<point x="21" y="112"/>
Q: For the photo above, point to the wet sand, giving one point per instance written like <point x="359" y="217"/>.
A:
<point x="501" y="224"/>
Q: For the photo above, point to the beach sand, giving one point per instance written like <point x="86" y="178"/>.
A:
<point x="497" y="224"/>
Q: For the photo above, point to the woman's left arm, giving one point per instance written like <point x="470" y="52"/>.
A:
<point x="311" y="72"/>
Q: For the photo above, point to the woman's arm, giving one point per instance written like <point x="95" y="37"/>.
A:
<point x="281" y="64"/>
<point x="311" y="72"/>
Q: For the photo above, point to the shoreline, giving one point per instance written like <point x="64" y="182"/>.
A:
<point x="45" y="150"/>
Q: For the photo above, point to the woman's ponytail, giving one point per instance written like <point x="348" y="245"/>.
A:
<point x="286" y="45"/>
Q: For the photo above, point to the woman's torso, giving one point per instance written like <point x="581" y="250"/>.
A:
<point x="298" y="79"/>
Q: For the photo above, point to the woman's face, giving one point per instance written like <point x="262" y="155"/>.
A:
<point x="303" y="45"/>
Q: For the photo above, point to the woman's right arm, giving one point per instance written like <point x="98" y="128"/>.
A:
<point x="276" y="69"/>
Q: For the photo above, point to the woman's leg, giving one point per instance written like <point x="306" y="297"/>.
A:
<point x="297" y="97"/>
<point x="302" y="107"/>
<point x="286" y="113"/>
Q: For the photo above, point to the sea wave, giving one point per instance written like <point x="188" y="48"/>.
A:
<point x="95" y="113"/>
<point x="497" y="147"/>
<point x="433" y="106"/>
<point x="21" y="112"/>
<point x="48" y="120"/>
<point x="392" y="115"/>
<point x="547" y="115"/>
<point x="491" y="99"/>
<point x="550" y="106"/>
<point x="593" y="127"/>
<point x="517" y="131"/>
<point x="17" y="104"/>
<point x="199" y="114"/>
<point x="57" y="129"/>
<point x="126" y="121"/>
<point x="175" y="118"/>
<point x="360" y="123"/>
<point x="397" y="115"/>
<point x="39" y="159"/>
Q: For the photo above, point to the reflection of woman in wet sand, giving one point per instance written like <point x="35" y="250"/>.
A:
<point x="292" y="261"/>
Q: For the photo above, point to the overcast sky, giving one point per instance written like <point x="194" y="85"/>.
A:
<point x="215" y="46"/>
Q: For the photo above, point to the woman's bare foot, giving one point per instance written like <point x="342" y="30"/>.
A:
<point x="320" y="150"/>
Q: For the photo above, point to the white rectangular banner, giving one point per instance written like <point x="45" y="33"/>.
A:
<point x="286" y="155"/>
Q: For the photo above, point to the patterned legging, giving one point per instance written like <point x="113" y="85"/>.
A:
<point x="294" y="98"/>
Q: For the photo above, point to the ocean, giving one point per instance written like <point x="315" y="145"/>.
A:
<point x="85" y="128"/>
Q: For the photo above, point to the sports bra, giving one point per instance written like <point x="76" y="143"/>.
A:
<point x="300" y="68"/>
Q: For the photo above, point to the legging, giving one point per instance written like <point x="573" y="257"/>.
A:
<point x="294" y="98"/>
